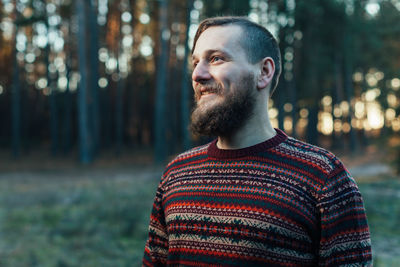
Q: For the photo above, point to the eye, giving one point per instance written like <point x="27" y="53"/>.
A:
<point x="215" y="59"/>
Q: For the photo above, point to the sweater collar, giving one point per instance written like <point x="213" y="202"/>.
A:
<point x="215" y="152"/>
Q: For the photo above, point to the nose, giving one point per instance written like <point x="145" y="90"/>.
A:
<point x="201" y="72"/>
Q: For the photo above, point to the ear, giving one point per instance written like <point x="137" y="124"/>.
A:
<point x="267" y="68"/>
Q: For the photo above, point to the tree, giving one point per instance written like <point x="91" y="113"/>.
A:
<point x="15" y="105"/>
<point x="185" y="87"/>
<point x="161" y="81"/>
<point x="85" y="138"/>
<point x="94" y="74"/>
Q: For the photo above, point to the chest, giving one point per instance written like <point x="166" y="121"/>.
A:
<point x="240" y="204"/>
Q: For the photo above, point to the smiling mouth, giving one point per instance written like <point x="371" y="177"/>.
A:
<point x="207" y="90"/>
<point x="207" y="93"/>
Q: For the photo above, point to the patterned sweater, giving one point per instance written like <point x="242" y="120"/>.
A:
<point x="278" y="203"/>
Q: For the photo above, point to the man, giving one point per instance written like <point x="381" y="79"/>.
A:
<point x="254" y="196"/>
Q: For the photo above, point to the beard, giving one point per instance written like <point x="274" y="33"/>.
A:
<point x="227" y="117"/>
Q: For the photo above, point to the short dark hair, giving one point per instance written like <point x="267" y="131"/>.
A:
<point x="257" y="40"/>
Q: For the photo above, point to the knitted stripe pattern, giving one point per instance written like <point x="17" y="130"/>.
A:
<point x="279" y="203"/>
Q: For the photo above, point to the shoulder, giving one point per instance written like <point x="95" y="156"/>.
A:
<point x="311" y="156"/>
<point x="321" y="169"/>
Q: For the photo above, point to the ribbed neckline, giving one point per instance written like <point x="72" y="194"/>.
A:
<point x="215" y="152"/>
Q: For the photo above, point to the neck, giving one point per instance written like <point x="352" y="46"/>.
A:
<point x="258" y="129"/>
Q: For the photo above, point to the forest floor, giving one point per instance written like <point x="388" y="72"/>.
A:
<point x="56" y="212"/>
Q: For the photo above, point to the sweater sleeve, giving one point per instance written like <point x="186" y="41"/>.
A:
<point x="156" y="249"/>
<point x="344" y="237"/>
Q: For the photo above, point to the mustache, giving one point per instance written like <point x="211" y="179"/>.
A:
<point x="208" y="87"/>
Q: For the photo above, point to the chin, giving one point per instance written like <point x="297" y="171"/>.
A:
<point x="209" y="101"/>
<point x="205" y="109"/>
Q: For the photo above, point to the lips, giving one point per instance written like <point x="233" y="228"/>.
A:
<point x="205" y="91"/>
<point x="202" y="90"/>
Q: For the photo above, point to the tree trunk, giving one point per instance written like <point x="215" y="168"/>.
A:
<point x="66" y="134"/>
<point x="293" y="100"/>
<point x="15" y="96"/>
<point x="25" y="116"/>
<point x="185" y="87"/>
<point x="337" y="98"/>
<point x="349" y="89"/>
<point x="67" y="121"/>
<point x="107" y="114"/>
<point x="85" y="140"/>
<point x="119" y="119"/>
<point x="16" y="109"/>
<point x="53" y="106"/>
<point x="312" y="133"/>
<point x="160" y="145"/>
<point x="281" y="91"/>
<point x="94" y="75"/>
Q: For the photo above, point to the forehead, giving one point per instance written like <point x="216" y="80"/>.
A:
<point x="220" y="38"/>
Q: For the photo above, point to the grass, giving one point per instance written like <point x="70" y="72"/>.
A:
<point x="92" y="220"/>
<point x="100" y="217"/>
<point x="382" y="203"/>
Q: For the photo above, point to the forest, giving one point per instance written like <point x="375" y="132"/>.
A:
<point x="81" y="78"/>
<point x="96" y="96"/>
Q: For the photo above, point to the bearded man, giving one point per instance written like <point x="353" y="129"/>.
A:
<point x="253" y="196"/>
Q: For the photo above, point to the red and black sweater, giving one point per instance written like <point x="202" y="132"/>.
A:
<point x="278" y="203"/>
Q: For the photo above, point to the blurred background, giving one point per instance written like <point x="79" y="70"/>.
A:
<point x="95" y="98"/>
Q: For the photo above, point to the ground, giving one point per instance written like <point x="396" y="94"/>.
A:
<point x="55" y="212"/>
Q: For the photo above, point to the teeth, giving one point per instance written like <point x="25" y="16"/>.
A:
<point x="206" y="93"/>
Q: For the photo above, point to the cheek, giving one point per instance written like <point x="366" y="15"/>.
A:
<point x="223" y="77"/>
<point x="229" y="74"/>
<point x="219" y="73"/>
